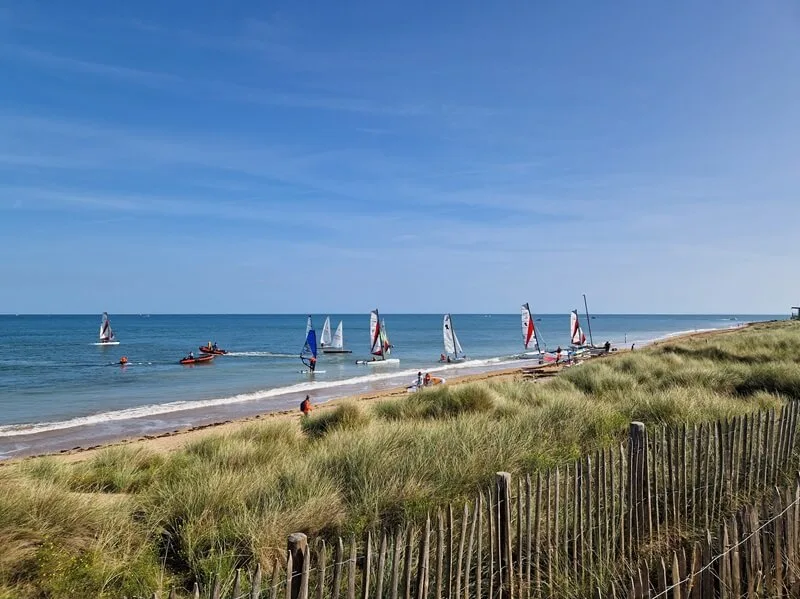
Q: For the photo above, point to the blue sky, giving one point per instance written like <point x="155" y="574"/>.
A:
<point x="420" y="157"/>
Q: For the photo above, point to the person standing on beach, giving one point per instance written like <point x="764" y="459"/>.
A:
<point x="305" y="406"/>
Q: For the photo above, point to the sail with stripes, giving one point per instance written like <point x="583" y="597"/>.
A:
<point x="106" y="333"/>
<point x="529" y="337"/>
<point x="576" y="332"/>
<point x="376" y="342"/>
<point x="309" y="350"/>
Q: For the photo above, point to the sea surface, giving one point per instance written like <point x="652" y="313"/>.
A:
<point x="59" y="389"/>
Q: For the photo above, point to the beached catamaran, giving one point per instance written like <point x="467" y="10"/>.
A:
<point x="332" y="344"/>
<point x="107" y="336"/>
<point x="452" y="348"/>
<point x="530" y="336"/>
<point x="308" y="355"/>
<point x="379" y="342"/>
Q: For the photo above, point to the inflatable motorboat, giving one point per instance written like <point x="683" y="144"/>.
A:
<point x="212" y="351"/>
<point x="198" y="360"/>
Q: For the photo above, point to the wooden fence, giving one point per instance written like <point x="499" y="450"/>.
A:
<point x="597" y="527"/>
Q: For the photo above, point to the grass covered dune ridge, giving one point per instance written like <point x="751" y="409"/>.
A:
<point x="131" y="520"/>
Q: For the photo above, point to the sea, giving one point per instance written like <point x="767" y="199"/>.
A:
<point x="60" y="390"/>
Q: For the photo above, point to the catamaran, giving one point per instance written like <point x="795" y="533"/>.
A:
<point x="530" y="336"/>
<point x="380" y="347"/>
<point x="334" y="344"/>
<point x="107" y="336"/>
<point x="452" y="347"/>
<point x="308" y="355"/>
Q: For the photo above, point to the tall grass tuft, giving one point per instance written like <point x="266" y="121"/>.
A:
<point x="347" y="416"/>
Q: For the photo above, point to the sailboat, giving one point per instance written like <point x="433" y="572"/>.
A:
<point x="380" y="347"/>
<point x="335" y="344"/>
<point x="452" y="347"/>
<point x="577" y="338"/>
<point x="530" y="336"/>
<point x="107" y="336"/>
<point x="308" y="355"/>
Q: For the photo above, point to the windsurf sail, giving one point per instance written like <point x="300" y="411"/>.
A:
<point x="325" y="337"/>
<point x="338" y="337"/>
<point x="106" y="334"/>
<point x="529" y="337"/>
<point x="310" y="348"/>
<point x="451" y="343"/>
<point x="576" y="332"/>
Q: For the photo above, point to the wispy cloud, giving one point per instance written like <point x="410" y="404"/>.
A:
<point x="53" y="61"/>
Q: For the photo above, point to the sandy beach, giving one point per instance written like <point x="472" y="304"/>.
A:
<point x="177" y="438"/>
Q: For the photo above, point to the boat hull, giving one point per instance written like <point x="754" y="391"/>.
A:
<point x="198" y="360"/>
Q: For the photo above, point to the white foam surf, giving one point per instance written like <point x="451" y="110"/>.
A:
<point x="260" y="354"/>
<point x="151" y="410"/>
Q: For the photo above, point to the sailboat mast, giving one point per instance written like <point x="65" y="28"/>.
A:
<point x="588" y="320"/>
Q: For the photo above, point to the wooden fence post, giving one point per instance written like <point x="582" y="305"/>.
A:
<point x="638" y="485"/>
<point x="297" y="546"/>
<point x="506" y="582"/>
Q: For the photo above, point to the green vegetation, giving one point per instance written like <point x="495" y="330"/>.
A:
<point x="130" y="521"/>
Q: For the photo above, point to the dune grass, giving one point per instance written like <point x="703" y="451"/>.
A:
<point x="130" y="521"/>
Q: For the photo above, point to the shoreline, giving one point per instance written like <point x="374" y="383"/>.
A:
<point x="171" y="440"/>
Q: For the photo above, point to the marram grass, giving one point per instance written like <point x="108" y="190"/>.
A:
<point x="130" y="521"/>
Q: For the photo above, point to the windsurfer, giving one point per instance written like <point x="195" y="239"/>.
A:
<point x="305" y="406"/>
<point x="312" y="363"/>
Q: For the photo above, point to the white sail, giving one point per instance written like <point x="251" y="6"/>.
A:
<point x="528" y="328"/>
<point x="449" y="345"/>
<point x="309" y="326"/>
<point x="106" y="334"/>
<point x="576" y="332"/>
<point x="459" y="351"/>
<point x="325" y="337"/>
<point x="338" y="337"/>
<point x="387" y="346"/>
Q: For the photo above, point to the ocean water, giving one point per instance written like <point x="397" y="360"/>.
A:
<point x="58" y="389"/>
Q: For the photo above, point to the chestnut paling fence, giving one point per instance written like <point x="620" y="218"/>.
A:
<point x="705" y="511"/>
